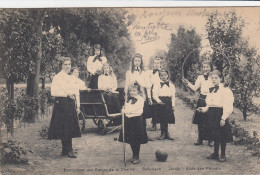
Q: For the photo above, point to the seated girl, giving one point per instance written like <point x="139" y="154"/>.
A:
<point x="77" y="82"/>
<point x="107" y="81"/>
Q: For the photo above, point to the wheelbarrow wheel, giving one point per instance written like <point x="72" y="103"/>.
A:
<point x="82" y="122"/>
<point x="102" y="128"/>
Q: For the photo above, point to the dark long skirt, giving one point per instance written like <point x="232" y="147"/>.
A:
<point x="147" y="110"/>
<point x="164" y="112"/>
<point x="113" y="103"/>
<point x="199" y="117"/>
<point x="150" y="111"/>
<point x="64" y="122"/>
<point x="135" y="132"/>
<point x="214" y="131"/>
<point x="93" y="82"/>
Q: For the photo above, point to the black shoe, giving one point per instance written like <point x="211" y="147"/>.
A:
<point x="222" y="159"/>
<point x="213" y="156"/>
<point x="149" y="139"/>
<point x="199" y="142"/>
<point x="136" y="161"/>
<point x="162" y="137"/>
<point x="71" y="154"/>
<point x="210" y="143"/>
<point x="154" y="127"/>
<point x="167" y="136"/>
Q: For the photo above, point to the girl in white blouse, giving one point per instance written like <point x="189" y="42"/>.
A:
<point x="219" y="106"/>
<point x="135" y="133"/>
<point x="202" y="83"/>
<point x="94" y="66"/>
<point x="64" y="123"/>
<point x="107" y="80"/>
<point x="152" y="79"/>
<point x="78" y="82"/>
<point x="164" y="95"/>
<point x="136" y="74"/>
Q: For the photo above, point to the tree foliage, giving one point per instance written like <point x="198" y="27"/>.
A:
<point x="185" y="42"/>
<point x="247" y="84"/>
<point x="224" y="34"/>
<point x="238" y="62"/>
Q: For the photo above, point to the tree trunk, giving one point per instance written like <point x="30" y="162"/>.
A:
<point x="10" y="117"/>
<point x="34" y="78"/>
<point x="38" y="26"/>
<point x="244" y="114"/>
<point x="29" y="115"/>
<point x="30" y="86"/>
<point x="43" y="83"/>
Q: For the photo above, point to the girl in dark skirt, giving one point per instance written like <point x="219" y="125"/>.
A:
<point x="203" y="83"/>
<point x="107" y="81"/>
<point x="64" y="123"/>
<point x="164" y="95"/>
<point x="94" y="66"/>
<point x="137" y="74"/>
<point x="153" y="78"/>
<point x="219" y="106"/>
<point x="135" y="133"/>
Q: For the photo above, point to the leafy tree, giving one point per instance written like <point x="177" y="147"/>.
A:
<point x="246" y="85"/>
<point x="224" y="34"/>
<point x="86" y="27"/>
<point x="185" y="43"/>
<point x="235" y="59"/>
<point x="15" y="53"/>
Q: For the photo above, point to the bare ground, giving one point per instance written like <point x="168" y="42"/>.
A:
<point x="99" y="154"/>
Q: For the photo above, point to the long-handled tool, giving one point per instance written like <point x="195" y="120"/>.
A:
<point x="123" y="132"/>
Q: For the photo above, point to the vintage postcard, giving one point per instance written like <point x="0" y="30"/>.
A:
<point x="130" y="90"/>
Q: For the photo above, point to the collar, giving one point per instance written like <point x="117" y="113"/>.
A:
<point x="165" y="83"/>
<point x="133" y="100"/>
<point x="62" y="72"/>
<point x="206" y="76"/>
<point x="155" y="70"/>
<point x="138" y="69"/>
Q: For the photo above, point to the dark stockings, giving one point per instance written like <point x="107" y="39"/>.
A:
<point x="223" y="148"/>
<point x="164" y="128"/>
<point x="135" y="150"/>
<point x="66" y="145"/>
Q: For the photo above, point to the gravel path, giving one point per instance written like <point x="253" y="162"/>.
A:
<point x="103" y="155"/>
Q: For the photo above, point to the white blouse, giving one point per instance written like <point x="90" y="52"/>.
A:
<point x="223" y="98"/>
<point x="107" y="82"/>
<point x="152" y="79"/>
<point x="132" y="110"/>
<point x="63" y="84"/>
<point x="131" y="77"/>
<point x="79" y="83"/>
<point x="203" y="84"/>
<point x="164" y="91"/>
<point x="92" y="67"/>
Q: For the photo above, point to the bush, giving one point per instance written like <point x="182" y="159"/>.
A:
<point x="243" y="137"/>
<point x="13" y="153"/>
<point x="44" y="132"/>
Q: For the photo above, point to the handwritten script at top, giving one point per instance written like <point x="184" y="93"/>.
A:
<point x="148" y="33"/>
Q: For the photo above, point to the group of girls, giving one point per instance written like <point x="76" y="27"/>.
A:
<point x="214" y="106"/>
<point x="148" y="94"/>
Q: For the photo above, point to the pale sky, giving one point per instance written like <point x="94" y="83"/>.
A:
<point x="170" y="18"/>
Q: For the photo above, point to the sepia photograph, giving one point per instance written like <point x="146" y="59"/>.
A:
<point x="130" y="90"/>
